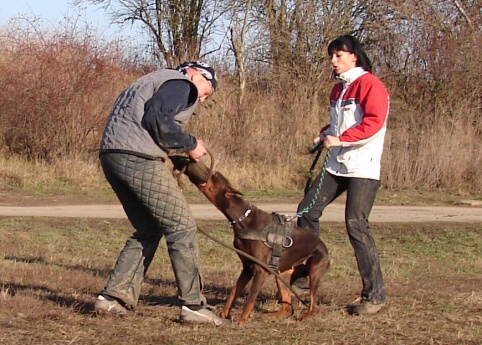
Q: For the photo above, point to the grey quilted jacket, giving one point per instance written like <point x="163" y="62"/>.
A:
<point x="124" y="131"/>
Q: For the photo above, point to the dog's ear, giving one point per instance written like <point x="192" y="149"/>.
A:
<point x="230" y="192"/>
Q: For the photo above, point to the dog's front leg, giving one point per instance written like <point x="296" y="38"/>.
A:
<point x="243" y="280"/>
<point x="259" y="276"/>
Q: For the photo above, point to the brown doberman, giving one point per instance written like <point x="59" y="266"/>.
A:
<point x="303" y="255"/>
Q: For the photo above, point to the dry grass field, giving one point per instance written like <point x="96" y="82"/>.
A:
<point x="52" y="268"/>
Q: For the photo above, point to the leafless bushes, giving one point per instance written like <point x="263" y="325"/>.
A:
<point x="428" y="54"/>
<point x="57" y="88"/>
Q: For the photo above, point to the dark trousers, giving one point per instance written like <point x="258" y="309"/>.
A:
<point x="360" y="198"/>
<point x="156" y="208"/>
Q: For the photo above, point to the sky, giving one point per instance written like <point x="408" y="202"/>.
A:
<point x="58" y="13"/>
<point x="53" y="12"/>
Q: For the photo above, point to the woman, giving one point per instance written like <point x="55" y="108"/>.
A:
<point x="354" y="138"/>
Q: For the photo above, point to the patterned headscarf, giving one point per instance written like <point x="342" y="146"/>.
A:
<point x="206" y="70"/>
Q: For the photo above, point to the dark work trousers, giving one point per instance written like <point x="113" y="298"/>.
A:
<point x="361" y="193"/>
<point x="156" y="207"/>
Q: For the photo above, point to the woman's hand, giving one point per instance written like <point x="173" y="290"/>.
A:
<point x="331" y="141"/>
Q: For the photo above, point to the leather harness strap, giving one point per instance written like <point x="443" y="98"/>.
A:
<point x="275" y="236"/>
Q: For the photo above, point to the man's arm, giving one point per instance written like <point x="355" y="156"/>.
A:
<point x="159" y="112"/>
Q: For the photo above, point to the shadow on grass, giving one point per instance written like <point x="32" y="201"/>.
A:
<point x="96" y="272"/>
<point x="80" y="306"/>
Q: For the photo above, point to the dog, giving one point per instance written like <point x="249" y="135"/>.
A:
<point x="304" y="254"/>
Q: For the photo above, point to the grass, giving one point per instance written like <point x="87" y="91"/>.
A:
<point x="84" y="182"/>
<point x="52" y="269"/>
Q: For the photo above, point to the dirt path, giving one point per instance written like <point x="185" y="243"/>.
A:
<point x="334" y="212"/>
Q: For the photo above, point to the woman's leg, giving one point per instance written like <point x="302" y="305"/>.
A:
<point x="361" y="195"/>
<point x="319" y="195"/>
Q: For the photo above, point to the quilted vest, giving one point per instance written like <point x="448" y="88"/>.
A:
<point x="124" y="132"/>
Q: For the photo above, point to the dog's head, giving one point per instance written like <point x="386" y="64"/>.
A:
<point x="218" y="190"/>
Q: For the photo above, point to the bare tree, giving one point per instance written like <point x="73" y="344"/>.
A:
<point x="297" y="33"/>
<point x="299" y="29"/>
<point x="427" y="47"/>
<point x="178" y="28"/>
<point x="237" y="31"/>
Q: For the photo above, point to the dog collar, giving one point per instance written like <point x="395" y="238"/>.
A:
<point x="244" y="216"/>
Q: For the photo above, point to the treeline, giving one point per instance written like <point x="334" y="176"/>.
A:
<point x="58" y="87"/>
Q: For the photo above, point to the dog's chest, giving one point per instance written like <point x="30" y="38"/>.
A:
<point x="276" y="236"/>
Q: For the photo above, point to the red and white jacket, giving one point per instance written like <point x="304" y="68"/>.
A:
<point x="358" y="116"/>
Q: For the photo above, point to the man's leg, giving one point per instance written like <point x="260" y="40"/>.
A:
<point x="171" y="216"/>
<point x="168" y="205"/>
<point x="123" y="172"/>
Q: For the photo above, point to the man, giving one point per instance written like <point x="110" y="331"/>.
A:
<point x="145" y="124"/>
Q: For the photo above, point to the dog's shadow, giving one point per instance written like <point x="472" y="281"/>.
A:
<point x="216" y="295"/>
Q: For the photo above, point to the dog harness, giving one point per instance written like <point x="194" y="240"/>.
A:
<point x="276" y="235"/>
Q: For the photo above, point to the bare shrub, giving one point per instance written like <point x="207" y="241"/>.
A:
<point x="58" y="87"/>
<point x="428" y="56"/>
<point x="67" y="174"/>
<point x="267" y="139"/>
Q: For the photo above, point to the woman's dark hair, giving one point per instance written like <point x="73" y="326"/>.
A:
<point x="351" y="44"/>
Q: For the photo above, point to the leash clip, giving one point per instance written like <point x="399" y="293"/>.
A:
<point x="287" y="218"/>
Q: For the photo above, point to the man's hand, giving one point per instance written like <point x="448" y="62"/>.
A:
<point x="198" y="152"/>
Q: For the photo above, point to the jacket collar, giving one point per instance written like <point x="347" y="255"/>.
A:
<point x="351" y="75"/>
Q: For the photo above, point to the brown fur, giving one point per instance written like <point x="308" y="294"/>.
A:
<point x="307" y="256"/>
